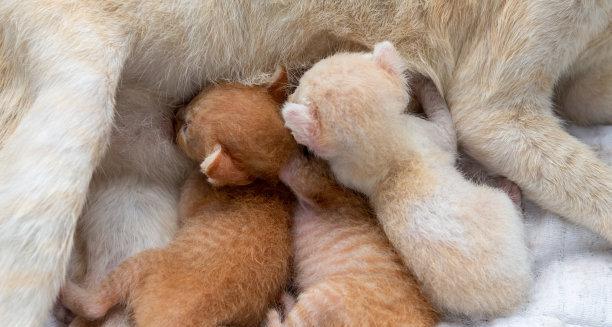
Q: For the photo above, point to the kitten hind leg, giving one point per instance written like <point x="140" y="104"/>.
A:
<point x="115" y="288"/>
<point x="79" y="301"/>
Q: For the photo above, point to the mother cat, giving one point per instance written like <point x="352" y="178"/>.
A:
<point x="67" y="66"/>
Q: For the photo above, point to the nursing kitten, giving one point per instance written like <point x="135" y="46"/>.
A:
<point x="64" y="63"/>
<point x="464" y="242"/>
<point x="230" y="259"/>
<point x="346" y="271"/>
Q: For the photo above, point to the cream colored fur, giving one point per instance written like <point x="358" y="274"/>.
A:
<point x="464" y="242"/>
<point x="585" y="94"/>
<point x="61" y="62"/>
<point x="346" y="272"/>
<point x="133" y="195"/>
<point x="64" y="89"/>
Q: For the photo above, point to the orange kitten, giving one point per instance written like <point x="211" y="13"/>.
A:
<point x="230" y="259"/>
<point x="346" y="270"/>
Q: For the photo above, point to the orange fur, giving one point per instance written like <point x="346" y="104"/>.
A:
<point x="230" y="259"/>
<point x="347" y="272"/>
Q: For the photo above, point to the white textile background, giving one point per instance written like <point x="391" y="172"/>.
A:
<point x="573" y="267"/>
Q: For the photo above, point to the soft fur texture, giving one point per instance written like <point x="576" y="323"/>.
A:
<point x="133" y="195"/>
<point x="571" y="264"/>
<point x="346" y="272"/>
<point x="230" y="258"/>
<point x="464" y="242"/>
<point x="64" y="63"/>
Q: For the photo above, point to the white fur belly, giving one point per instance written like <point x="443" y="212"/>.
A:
<point x="133" y="197"/>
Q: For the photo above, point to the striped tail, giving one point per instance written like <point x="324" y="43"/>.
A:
<point x="93" y="303"/>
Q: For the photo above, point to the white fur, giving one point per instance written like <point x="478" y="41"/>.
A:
<point x="46" y="164"/>
<point x="133" y="196"/>
<point x="488" y="58"/>
<point x="464" y="243"/>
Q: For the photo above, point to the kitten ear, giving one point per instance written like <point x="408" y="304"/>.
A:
<point x="220" y="169"/>
<point x="387" y="57"/>
<point x="301" y="120"/>
<point x="277" y="87"/>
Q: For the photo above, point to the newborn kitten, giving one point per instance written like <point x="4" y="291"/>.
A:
<point x="464" y="242"/>
<point x="230" y="258"/>
<point x="347" y="272"/>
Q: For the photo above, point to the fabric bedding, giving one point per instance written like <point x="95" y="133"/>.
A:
<point x="572" y="266"/>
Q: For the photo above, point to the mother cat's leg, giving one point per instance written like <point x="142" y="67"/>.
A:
<point x="502" y="108"/>
<point x="584" y="94"/>
<point x="133" y="199"/>
<point x="60" y="66"/>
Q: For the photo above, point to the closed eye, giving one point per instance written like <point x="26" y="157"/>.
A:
<point x="185" y="126"/>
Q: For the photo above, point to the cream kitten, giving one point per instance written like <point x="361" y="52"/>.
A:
<point x="464" y="242"/>
<point x="66" y="67"/>
<point x="346" y="271"/>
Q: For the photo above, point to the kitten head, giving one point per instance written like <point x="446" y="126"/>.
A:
<point x="343" y="110"/>
<point x="345" y="100"/>
<point x="236" y="131"/>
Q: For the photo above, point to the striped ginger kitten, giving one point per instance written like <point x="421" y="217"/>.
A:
<point x="347" y="272"/>
<point x="464" y="242"/>
<point x="230" y="258"/>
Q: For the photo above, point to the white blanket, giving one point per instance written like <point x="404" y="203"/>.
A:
<point x="572" y="266"/>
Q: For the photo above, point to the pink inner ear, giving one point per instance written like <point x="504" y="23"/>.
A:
<point x="386" y="56"/>
<point x="301" y="121"/>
